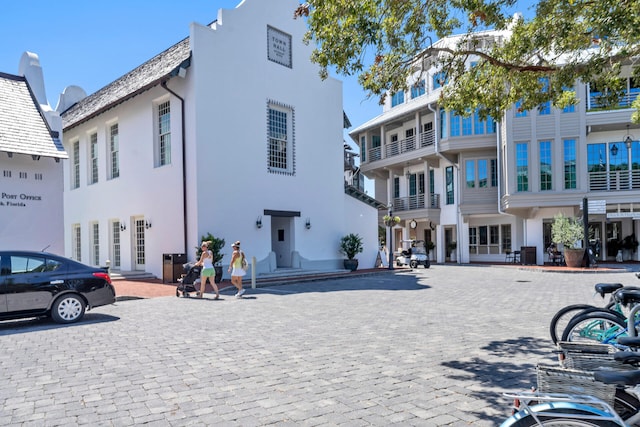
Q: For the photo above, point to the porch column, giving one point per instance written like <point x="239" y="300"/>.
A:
<point x="383" y="143"/>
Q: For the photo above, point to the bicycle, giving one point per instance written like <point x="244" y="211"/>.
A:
<point x="611" y="400"/>
<point x="606" y="326"/>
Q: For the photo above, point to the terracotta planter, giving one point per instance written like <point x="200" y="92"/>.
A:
<point x="573" y="257"/>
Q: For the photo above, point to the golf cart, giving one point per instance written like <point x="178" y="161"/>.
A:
<point x="414" y="254"/>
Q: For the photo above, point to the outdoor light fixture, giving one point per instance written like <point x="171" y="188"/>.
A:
<point x="390" y="247"/>
<point x="308" y="224"/>
<point x="628" y="139"/>
<point x="123" y="226"/>
<point x="614" y="150"/>
<point x="10" y="154"/>
<point x="35" y="157"/>
<point x="408" y="175"/>
<point x="147" y="224"/>
<point x="259" y="222"/>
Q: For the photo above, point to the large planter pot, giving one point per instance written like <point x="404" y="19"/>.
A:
<point x="573" y="257"/>
<point x="351" y="264"/>
<point x="218" y="277"/>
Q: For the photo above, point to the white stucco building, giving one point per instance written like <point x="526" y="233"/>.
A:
<point x="231" y="132"/>
<point x="31" y="213"/>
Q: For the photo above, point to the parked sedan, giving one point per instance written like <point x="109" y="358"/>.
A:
<point x="44" y="284"/>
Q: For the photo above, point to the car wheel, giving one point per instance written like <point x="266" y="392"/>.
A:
<point x="68" y="308"/>
<point x="414" y="264"/>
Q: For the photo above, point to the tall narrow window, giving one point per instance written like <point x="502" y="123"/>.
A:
<point x="454" y="121"/>
<point x="443" y="124"/>
<point x="417" y="89"/>
<point x="467" y="123"/>
<point x="396" y="187"/>
<point x="483" y="173"/>
<point x="114" y="151"/>
<point x="522" y="166"/>
<point x="76" y="242"/>
<point x="494" y="172"/>
<point x="280" y="126"/>
<point x="470" y="171"/>
<point x="164" y="133"/>
<point x="363" y="149"/>
<point x="76" y="165"/>
<point x="570" y="164"/>
<point x="506" y="236"/>
<point x="449" y="184"/>
<point x="95" y="243"/>
<point x="93" y="153"/>
<point x="544" y="109"/>
<point x="115" y="236"/>
<point x="545" y="166"/>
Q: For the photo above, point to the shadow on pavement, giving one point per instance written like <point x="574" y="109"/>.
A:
<point x="33" y="324"/>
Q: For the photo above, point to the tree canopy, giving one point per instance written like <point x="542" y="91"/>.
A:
<point x="387" y="42"/>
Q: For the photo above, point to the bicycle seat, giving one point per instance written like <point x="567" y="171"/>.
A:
<point x="627" y="357"/>
<point x="607" y="288"/>
<point x="617" y="377"/>
<point x="629" y="341"/>
<point x="626" y="296"/>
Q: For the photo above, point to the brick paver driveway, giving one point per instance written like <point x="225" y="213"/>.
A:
<point x="429" y="347"/>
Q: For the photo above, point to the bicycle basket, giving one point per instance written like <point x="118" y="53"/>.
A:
<point x="589" y="356"/>
<point x="553" y="379"/>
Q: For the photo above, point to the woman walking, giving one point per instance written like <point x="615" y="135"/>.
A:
<point x="235" y="267"/>
<point x="207" y="273"/>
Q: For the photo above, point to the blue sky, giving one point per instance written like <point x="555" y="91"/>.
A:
<point x="92" y="43"/>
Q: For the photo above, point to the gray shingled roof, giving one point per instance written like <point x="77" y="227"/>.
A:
<point x="23" y="129"/>
<point x="142" y="78"/>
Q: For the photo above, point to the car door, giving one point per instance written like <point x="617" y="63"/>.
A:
<point x="28" y="286"/>
<point x="3" y="272"/>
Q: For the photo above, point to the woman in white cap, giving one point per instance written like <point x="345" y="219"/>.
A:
<point x="235" y="267"/>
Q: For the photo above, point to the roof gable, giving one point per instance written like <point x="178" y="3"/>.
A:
<point x="23" y="129"/>
<point x="140" y="79"/>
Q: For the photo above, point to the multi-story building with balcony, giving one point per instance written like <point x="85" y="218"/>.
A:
<point x="494" y="186"/>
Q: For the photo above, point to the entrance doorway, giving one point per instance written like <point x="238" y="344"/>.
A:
<point x="282" y="239"/>
<point x="139" y="255"/>
<point x="614" y="236"/>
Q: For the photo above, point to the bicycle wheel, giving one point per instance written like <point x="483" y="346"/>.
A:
<point x="562" y="318"/>
<point x="595" y="326"/>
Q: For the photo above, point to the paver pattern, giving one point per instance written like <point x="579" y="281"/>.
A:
<point x="429" y="347"/>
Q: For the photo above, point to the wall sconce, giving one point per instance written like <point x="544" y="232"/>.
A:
<point x="147" y="224"/>
<point x="308" y="224"/>
<point x="614" y="150"/>
<point x="628" y="139"/>
<point x="35" y="157"/>
<point x="10" y="154"/>
<point x="259" y="222"/>
<point x="123" y="226"/>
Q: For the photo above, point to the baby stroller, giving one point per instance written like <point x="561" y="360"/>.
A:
<point x="188" y="280"/>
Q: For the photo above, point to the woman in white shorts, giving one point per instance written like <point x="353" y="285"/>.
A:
<point x="207" y="273"/>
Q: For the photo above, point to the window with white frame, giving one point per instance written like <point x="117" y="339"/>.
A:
<point x="280" y="125"/>
<point x="76" y="165"/>
<point x="76" y="242"/>
<point x="489" y="239"/>
<point x="546" y="167"/>
<point x="522" y="166"/>
<point x="164" y="133"/>
<point x="114" y="152"/>
<point x="481" y="173"/>
<point x="418" y="89"/>
<point x="93" y="158"/>
<point x="115" y="247"/>
<point x="95" y="243"/>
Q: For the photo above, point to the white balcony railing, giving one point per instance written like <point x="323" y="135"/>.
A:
<point x="406" y="145"/>
<point x="614" y="180"/>
<point x="416" y="202"/>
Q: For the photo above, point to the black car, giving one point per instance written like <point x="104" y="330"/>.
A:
<point x="43" y="284"/>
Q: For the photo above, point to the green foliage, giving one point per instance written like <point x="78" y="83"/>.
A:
<point x="351" y="245"/>
<point x="430" y="245"/>
<point x="453" y="245"/>
<point x="215" y="246"/>
<point x="384" y="42"/>
<point x="567" y="231"/>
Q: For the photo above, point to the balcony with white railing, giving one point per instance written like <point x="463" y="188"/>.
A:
<point x="596" y="100"/>
<point x="614" y="180"/>
<point x="418" y="201"/>
<point x="402" y="146"/>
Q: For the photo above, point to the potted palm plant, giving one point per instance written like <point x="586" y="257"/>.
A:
<point x="568" y="232"/>
<point x="350" y="246"/>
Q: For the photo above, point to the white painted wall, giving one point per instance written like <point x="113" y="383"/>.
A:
<point x="226" y="91"/>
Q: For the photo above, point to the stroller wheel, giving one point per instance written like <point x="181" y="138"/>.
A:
<point x="185" y="294"/>
<point x="177" y="293"/>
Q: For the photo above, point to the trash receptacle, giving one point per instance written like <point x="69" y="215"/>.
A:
<point x="172" y="267"/>
<point x="528" y="255"/>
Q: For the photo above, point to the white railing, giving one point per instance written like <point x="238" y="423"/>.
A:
<point x="614" y="180"/>
<point x="416" y="202"/>
<point x="625" y="101"/>
<point x="406" y="145"/>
